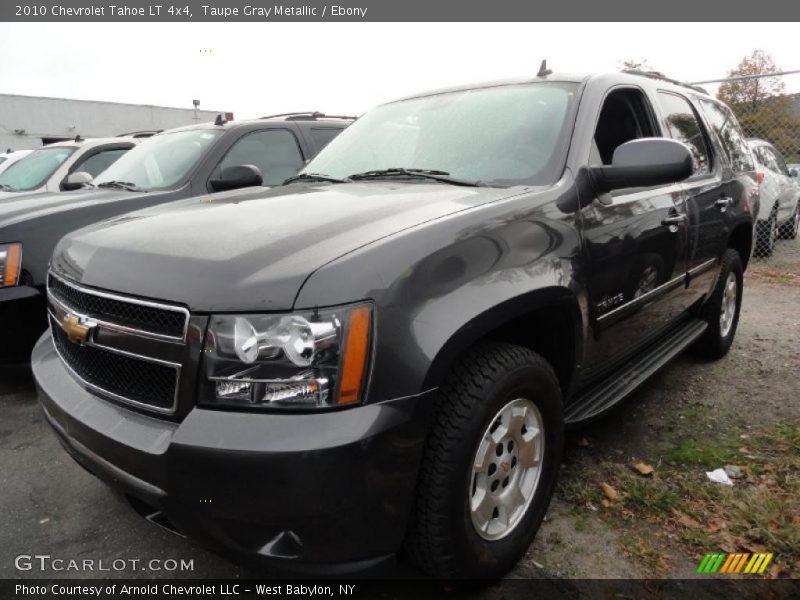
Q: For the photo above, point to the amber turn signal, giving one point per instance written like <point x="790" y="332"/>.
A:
<point x="11" y="265"/>
<point x="355" y="356"/>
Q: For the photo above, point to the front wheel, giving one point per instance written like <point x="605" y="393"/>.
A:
<point x="721" y="310"/>
<point x="490" y="464"/>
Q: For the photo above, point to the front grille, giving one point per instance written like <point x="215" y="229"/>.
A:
<point x="124" y="377"/>
<point x="133" y="314"/>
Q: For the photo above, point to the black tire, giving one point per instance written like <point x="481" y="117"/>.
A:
<point x="789" y="229"/>
<point x="713" y="344"/>
<point x="442" y="540"/>
<point x="767" y="234"/>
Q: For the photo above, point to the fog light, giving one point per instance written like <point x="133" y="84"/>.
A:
<point x="233" y="390"/>
<point x="301" y="391"/>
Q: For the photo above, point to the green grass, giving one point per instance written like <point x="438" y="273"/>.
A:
<point x="707" y="454"/>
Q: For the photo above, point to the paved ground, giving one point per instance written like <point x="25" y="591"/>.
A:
<point x="49" y="505"/>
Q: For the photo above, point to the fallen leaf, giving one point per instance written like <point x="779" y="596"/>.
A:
<point x="774" y="571"/>
<point x="605" y="503"/>
<point x="714" y="525"/>
<point x="583" y="442"/>
<point x="746" y="450"/>
<point x="643" y="469"/>
<point x="608" y="491"/>
<point x="755" y="548"/>
<point x="688" y="521"/>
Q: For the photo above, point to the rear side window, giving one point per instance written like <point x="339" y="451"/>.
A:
<point x="779" y="162"/>
<point x="322" y="136"/>
<point x="685" y="127"/>
<point x="730" y="135"/>
<point x="765" y="159"/>
<point x="99" y="162"/>
<point x="274" y="151"/>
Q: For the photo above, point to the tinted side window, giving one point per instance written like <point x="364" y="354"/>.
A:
<point x="322" y="136"/>
<point x="730" y="135"/>
<point x="97" y="163"/>
<point x="274" y="151"/>
<point x="685" y="127"/>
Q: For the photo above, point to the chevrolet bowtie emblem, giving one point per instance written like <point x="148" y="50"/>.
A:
<point x="77" y="332"/>
<point x="505" y="466"/>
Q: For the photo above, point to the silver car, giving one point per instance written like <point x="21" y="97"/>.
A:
<point x="62" y="166"/>
<point x="778" y="215"/>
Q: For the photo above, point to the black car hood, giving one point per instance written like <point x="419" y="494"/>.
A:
<point x="250" y="250"/>
<point x="22" y="207"/>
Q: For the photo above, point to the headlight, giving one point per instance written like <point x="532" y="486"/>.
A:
<point x="303" y="360"/>
<point x="10" y="264"/>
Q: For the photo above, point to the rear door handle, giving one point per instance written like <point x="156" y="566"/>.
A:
<point x="674" y="220"/>
<point x="723" y="203"/>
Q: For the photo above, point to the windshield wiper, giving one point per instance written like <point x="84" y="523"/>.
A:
<point x="121" y="185"/>
<point x="6" y="188"/>
<point x="433" y="174"/>
<point x="316" y="177"/>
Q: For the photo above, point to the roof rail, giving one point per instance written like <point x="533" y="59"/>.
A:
<point x="310" y="115"/>
<point x="662" y="77"/>
<point x="145" y="133"/>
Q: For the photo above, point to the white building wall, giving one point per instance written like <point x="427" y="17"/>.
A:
<point x="37" y="118"/>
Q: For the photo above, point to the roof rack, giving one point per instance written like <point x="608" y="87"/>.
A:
<point x="307" y="116"/>
<point x="662" y="77"/>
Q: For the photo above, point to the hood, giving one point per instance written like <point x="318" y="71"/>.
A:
<point x="15" y="208"/>
<point x="250" y="250"/>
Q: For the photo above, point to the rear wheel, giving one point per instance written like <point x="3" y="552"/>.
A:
<point x="721" y="310"/>
<point x="789" y="229"/>
<point x="489" y="466"/>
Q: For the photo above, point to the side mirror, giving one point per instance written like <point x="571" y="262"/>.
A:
<point x="642" y="163"/>
<point x="76" y="180"/>
<point x="233" y="178"/>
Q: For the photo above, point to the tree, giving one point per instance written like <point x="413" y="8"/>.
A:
<point x="752" y="93"/>
<point x="761" y="106"/>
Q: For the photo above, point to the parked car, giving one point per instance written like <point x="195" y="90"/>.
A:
<point x="181" y="163"/>
<point x="62" y="166"/>
<point x="10" y="157"/>
<point x="386" y="350"/>
<point x="779" y="215"/>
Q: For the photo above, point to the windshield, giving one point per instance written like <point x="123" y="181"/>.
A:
<point x="505" y="135"/>
<point x="162" y="161"/>
<point x="35" y="169"/>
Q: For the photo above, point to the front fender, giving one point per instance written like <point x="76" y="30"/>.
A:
<point x="443" y="285"/>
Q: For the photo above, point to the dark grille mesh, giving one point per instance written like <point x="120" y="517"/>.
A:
<point x="130" y="378"/>
<point x="146" y="318"/>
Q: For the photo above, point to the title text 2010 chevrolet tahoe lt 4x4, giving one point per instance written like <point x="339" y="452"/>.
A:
<point x="383" y="353"/>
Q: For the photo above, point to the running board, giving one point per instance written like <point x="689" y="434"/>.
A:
<point x="615" y="388"/>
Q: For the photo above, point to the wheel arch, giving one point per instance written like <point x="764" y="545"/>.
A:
<point x="741" y="240"/>
<point x="547" y="321"/>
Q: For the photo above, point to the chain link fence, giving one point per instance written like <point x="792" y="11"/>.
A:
<point x="770" y="118"/>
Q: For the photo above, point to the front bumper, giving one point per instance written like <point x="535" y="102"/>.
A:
<point x="320" y="493"/>
<point x="22" y="320"/>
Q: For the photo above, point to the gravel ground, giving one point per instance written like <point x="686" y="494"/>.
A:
<point x="49" y="505"/>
